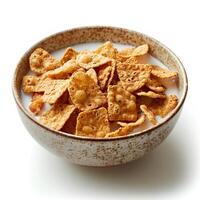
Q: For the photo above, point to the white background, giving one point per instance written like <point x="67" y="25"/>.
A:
<point x="27" y="171"/>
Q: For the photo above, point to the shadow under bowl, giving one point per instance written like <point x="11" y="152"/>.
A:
<point x="106" y="151"/>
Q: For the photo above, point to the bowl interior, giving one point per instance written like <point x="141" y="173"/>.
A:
<point x="96" y="34"/>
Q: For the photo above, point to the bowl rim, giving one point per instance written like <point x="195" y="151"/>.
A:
<point x="64" y="134"/>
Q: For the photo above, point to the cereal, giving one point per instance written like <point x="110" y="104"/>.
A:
<point x="133" y="52"/>
<point x="155" y="85"/>
<point x="102" y="93"/>
<point x="41" y="61"/>
<point x="150" y="116"/>
<point x="84" y="92"/>
<point x="105" y="75"/>
<point x="69" y="54"/>
<point x="89" y="60"/>
<point x="126" y="128"/>
<point x="70" y="125"/>
<point x="107" y="50"/>
<point x="151" y="95"/>
<point x="56" y="117"/>
<point x="93" y="123"/>
<point x="55" y="90"/>
<point x="36" y="103"/>
<point x="29" y="82"/>
<point x="164" y="106"/>
<point x="121" y="104"/>
<point x="163" y="73"/>
<point x="65" y="71"/>
<point x="133" y="76"/>
<point x="92" y="73"/>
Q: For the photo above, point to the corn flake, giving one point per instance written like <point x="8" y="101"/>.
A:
<point x="126" y="128"/>
<point x="163" y="73"/>
<point x="121" y="104"/>
<point x="107" y="50"/>
<point x="151" y="95"/>
<point x="64" y="71"/>
<point x="155" y="85"/>
<point x="69" y="54"/>
<point x="57" y="116"/>
<point x="93" y="123"/>
<point x="89" y="60"/>
<point x="84" y="92"/>
<point x="133" y="76"/>
<point x="163" y="107"/>
<point x="92" y="73"/>
<point x="36" y="103"/>
<point x="41" y="61"/>
<point x="150" y="116"/>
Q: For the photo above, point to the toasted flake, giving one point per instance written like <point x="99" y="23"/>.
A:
<point x="29" y="82"/>
<point x="155" y="85"/>
<point x="70" y="125"/>
<point x="140" y="50"/>
<point x="84" y="92"/>
<point x="41" y="61"/>
<point x="92" y="73"/>
<point x="126" y="128"/>
<point x="93" y="123"/>
<point x="133" y="76"/>
<point x="163" y="73"/>
<point x="107" y="50"/>
<point x="151" y="94"/>
<point x="69" y="54"/>
<point x="105" y="75"/>
<point x="89" y="60"/>
<point x="150" y="116"/>
<point x="36" y="103"/>
<point x="57" y="116"/>
<point x="133" y="52"/>
<point x="64" y="71"/>
<point x="55" y="90"/>
<point x="121" y="104"/>
<point x="163" y="107"/>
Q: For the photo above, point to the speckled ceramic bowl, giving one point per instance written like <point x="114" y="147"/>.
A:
<point x="109" y="151"/>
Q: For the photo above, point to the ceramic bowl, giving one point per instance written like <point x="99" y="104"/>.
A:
<point x="108" y="151"/>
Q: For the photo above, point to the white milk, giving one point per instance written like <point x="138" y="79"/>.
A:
<point x="171" y="86"/>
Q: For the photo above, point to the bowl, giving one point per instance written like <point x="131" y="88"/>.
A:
<point x="106" y="151"/>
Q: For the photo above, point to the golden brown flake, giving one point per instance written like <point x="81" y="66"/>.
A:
<point x="93" y="123"/>
<point x="69" y="54"/>
<point x="55" y="90"/>
<point x="29" y="82"/>
<point x="155" y="85"/>
<point x="105" y="75"/>
<point x="151" y="95"/>
<point x="89" y="60"/>
<point x="133" y="52"/>
<point x="70" y="125"/>
<point x="126" y="128"/>
<point x="121" y="104"/>
<point x="64" y="71"/>
<point x="150" y="116"/>
<point x="36" y="103"/>
<point x="163" y="73"/>
<point x="57" y="116"/>
<point x="133" y="76"/>
<point x="92" y="73"/>
<point x="84" y="92"/>
<point x="107" y="50"/>
<point x="41" y="61"/>
<point x="163" y="107"/>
